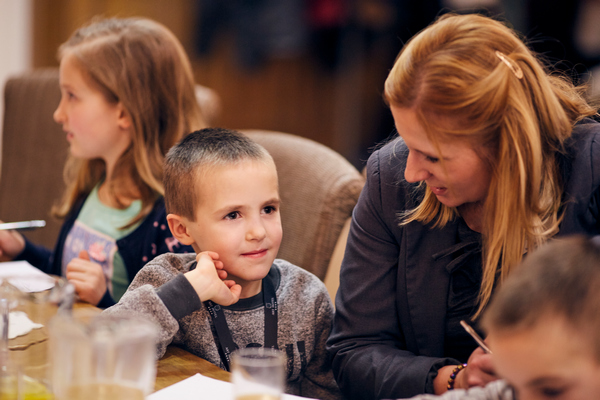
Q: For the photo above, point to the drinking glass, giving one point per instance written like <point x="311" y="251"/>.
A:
<point x="258" y="373"/>
<point x="27" y="304"/>
<point x="107" y="358"/>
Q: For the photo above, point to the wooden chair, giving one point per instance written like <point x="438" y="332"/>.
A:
<point x="319" y="189"/>
<point x="34" y="150"/>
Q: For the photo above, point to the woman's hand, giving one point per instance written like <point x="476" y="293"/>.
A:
<point x="87" y="277"/>
<point x="12" y="244"/>
<point x="478" y="372"/>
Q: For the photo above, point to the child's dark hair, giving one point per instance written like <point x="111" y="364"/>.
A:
<point x="560" y="280"/>
<point x="194" y="155"/>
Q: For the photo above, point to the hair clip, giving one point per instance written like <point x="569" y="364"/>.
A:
<point x="510" y="64"/>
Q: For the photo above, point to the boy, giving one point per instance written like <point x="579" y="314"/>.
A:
<point x="543" y="327"/>
<point x="221" y="195"/>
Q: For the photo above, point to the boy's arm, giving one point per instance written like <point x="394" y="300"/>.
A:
<point x="318" y="381"/>
<point x="142" y="298"/>
<point x="164" y="295"/>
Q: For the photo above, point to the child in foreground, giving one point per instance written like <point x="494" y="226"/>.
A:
<point x="222" y="198"/>
<point x="543" y="327"/>
<point x="127" y="97"/>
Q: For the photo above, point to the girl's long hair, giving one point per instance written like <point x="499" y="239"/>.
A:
<point x="141" y="64"/>
<point x="470" y="78"/>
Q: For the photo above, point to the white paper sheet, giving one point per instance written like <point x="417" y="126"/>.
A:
<point x="200" y="387"/>
<point x="19" y="324"/>
<point x="25" y="276"/>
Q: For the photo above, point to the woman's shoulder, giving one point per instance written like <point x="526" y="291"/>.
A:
<point x="390" y="154"/>
<point x="385" y="175"/>
<point x="586" y="129"/>
<point x="584" y="146"/>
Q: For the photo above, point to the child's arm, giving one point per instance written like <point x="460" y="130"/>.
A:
<point x="12" y="244"/>
<point x="209" y="280"/>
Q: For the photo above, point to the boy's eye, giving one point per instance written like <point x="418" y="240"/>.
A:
<point x="270" y="209"/>
<point x="232" y="215"/>
<point x="432" y="159"/>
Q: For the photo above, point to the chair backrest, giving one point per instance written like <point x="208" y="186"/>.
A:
<point x="34" y="150"/>
<point x="319" y="189"/>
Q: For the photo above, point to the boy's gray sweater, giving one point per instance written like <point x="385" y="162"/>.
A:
<point x="305" y="314"/>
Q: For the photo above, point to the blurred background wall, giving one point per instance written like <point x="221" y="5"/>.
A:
<point x="314" y="68"/>
<point x="263" y="59"/>
<point x="16" y="45"/>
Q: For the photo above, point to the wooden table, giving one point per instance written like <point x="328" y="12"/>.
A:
<point x="176" y="365"/>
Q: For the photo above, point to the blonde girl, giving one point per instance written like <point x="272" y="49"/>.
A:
<point x="127" y="97"/>
<point x="495" y="156"/>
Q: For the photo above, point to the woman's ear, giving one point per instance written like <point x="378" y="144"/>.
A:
<point x="177" y="225"/>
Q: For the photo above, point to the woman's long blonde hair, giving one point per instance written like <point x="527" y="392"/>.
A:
<point x="141" y="64"/>
<point x="506" y="103"/>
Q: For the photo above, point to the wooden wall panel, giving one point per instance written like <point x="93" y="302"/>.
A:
<point x="339" y="109"/>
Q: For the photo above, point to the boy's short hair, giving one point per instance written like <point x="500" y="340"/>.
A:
<point x="560" y="280"/>
<point x="194" y="155"/>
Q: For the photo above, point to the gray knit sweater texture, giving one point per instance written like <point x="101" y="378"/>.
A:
<point x="305" y="317"/>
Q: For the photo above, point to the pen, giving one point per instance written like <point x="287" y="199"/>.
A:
<point x="40" y="223"/>
<point x="475" y="336"/>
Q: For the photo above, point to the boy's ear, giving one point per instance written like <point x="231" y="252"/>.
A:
<point x="177" y="225"/>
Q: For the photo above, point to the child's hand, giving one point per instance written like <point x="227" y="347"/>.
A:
<point x="12" y="244"/>
<point x="208" y="279"/>
<point x="87" y="277"/>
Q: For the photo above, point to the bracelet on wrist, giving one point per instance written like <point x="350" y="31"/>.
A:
<point x="453" y="375"/>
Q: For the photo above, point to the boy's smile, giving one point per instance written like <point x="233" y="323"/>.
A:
<point x="238" y="217"/>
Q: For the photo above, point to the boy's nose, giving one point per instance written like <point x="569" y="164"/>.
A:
<point x="256" y="231"/>
<point x="414" y="171"/>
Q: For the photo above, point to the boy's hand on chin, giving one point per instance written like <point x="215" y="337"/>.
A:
<point x="209" y="280"/>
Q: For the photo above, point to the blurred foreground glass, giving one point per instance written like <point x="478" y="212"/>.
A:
<point x="27" y="304"/>
<point x="107" y="358"/>
<point x="258" y="373"/>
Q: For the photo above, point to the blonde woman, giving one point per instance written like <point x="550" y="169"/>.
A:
<point x="127" y="97"/>
<point x="494" y="157"/>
